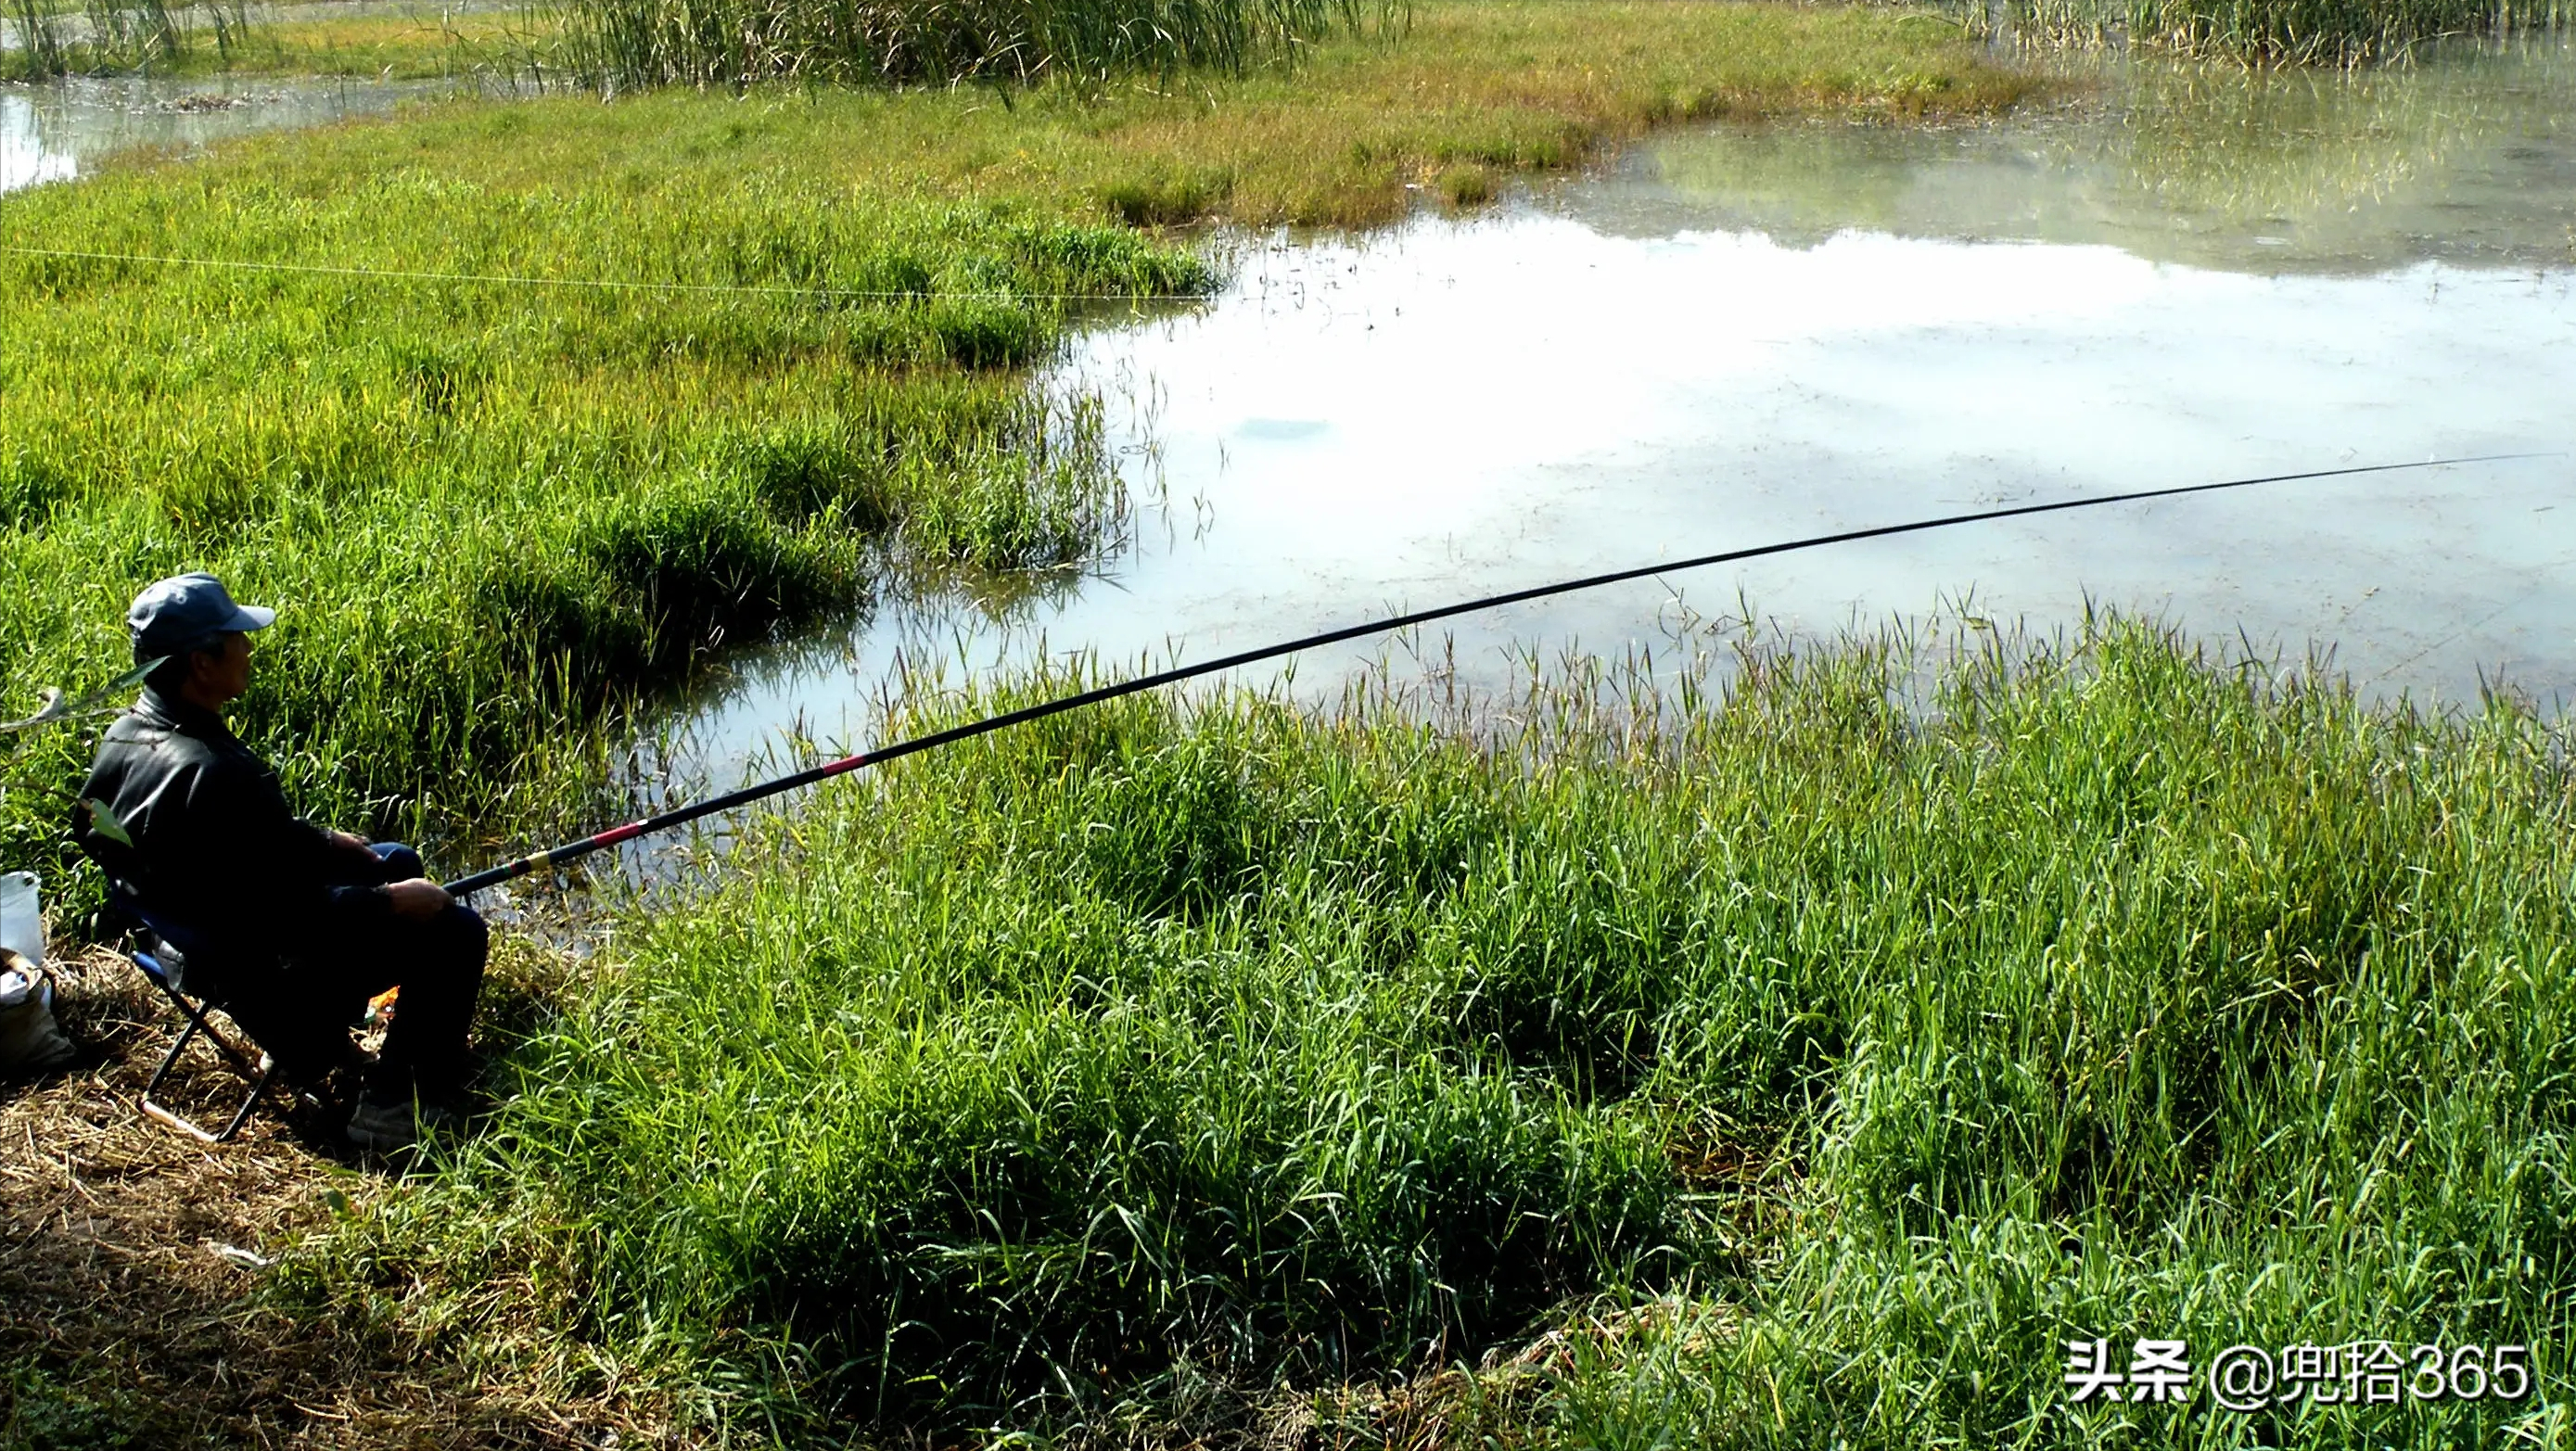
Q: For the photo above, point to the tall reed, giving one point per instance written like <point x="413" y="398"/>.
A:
<point x="116" y="36"/>
<point x="632" y="43"/>
<point x="35" y="43"/>
<point x="2265" y="32"/>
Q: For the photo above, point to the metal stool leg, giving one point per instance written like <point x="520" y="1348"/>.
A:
<point x="260" y="1074"/>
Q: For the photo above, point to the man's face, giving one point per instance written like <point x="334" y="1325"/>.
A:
<point x="222" y="671"/>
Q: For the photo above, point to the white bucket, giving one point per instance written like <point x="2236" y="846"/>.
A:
<point x="29" y="1040"/>
<point x="22" y="919"/>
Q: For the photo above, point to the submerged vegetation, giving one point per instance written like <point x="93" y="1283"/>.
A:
<point x="1787" y="1071"/>
<point x="2336" y="170"/>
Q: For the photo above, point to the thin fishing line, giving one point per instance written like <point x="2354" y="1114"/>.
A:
<point x="503" y="279"/>
<point x="570" y="851"/>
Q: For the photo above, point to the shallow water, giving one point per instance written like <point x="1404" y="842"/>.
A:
<point x="55" y="130"/>
<point x="75" y="28"/>
<point x="1749" y="334"/>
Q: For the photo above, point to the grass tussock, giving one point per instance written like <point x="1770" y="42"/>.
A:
<point x="1840" y="1061"/>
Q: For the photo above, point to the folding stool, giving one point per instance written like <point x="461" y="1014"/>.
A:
<point x="260" y="1073"/>
<point x="259" y="1070"/>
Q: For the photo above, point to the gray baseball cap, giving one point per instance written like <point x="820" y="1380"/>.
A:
<point x="185" y="612"/>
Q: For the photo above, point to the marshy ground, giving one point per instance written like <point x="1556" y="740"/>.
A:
<point x="1787" y="1063"/>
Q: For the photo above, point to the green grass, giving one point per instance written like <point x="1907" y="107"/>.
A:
<point x="495" y="517"/>
<point x="479" y="48"/>
<point x="1790" y="1071"/>
<point x="147" y="39"/>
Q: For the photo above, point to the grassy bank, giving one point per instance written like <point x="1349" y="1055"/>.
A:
<point x="489" y="512"/>
<point x="494" y="515"/>
<point x="199" y="41"/>
<point x="481" y="48"/>
<point x="1785" y="1074"/>
<point x="55" y="37"/>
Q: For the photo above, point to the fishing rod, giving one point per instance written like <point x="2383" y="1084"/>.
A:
<point x="574" y="850"/>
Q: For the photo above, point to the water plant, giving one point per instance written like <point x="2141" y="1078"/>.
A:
<point x="35" y="43"/>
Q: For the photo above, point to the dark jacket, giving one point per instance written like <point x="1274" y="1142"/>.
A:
<point x="215" y="846"/>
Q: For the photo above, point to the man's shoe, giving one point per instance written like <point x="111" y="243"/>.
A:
<point x="384" y="1127"/>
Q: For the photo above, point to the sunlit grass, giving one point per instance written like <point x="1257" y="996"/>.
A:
<point x="2121" y="994"/>
<point x="1496" y="87"/>
<point x="1507" y="86"/>
<point x="481" y="47"/>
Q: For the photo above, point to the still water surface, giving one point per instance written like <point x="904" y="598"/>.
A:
<point x="1748" y="334"/>
<point x="56" y="130"/>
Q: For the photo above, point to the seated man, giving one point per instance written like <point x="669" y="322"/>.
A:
<point x="294" y="928"/>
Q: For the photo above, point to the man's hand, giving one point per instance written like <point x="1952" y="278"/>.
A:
<point x="418" y="900"/>
<point x="348" y="839"/>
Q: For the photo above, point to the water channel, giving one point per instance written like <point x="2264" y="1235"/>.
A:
<point x="1752" y="333"/>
